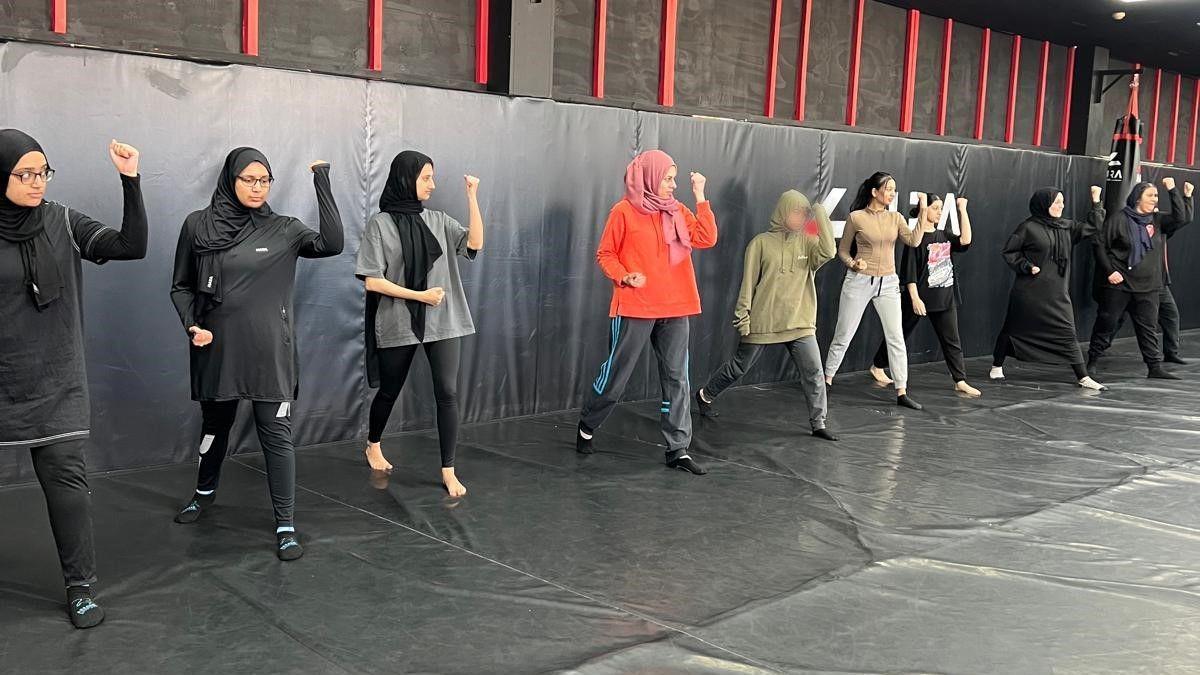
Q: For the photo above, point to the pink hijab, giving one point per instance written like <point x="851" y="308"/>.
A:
<point x="642" y="178"/>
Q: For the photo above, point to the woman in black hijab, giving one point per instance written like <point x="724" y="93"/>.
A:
<point x="1040" y="325"/>
<point x="409" y="264"/>
<point x="43" y="384"/>
<point x="235" y="273"/>
<point x="1130" y="257"/>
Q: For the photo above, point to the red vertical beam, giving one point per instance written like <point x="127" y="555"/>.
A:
<point x="856" y="36"/>
<point x="599" y="48"/>
<point x="944" y="86"/>
<point x="250" y="27"/>
<point x="58" y="16"/>
<point x="909" y="86"/>
<point x="1153" y="140"/>
<point x="1065" y="133"/>
<point x="482" y="20"/>
<point x="666" y="54"/>
<point x="773" y="58"/>
<point x="985" y="49"/>
<point x="1191" y="157"/>
<point x="1039" y="116"/>
<point x="375" y="35"/>
<point x="802" y="61"/>
<point x="1014" y="65"/>
<point x="1174" y="136"/>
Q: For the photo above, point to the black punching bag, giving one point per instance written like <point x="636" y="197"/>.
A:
<point x="1125" y="162"/>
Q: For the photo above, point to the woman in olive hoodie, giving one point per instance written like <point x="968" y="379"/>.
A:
<point x="777" y="304"/>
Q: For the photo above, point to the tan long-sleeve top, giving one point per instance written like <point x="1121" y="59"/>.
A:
<point x="874" y="233"/>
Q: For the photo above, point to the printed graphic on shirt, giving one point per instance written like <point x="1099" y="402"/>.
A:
<point x="941" y="271"/>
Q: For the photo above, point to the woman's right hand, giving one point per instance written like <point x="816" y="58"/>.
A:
<point x="434" y="296"/>
<point x="1116" y="278"/>
<point x="919" y="306"/>
<point x="1034" y="270"/>
<point x="634" y="280"/>
<point x="200" y="337"/>
<point x="857" y="265"/>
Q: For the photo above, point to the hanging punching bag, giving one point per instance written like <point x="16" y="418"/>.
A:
<point x="1125" y="162"/>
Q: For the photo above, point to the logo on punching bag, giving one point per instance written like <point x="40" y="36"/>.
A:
<point x="1116" y="170"/>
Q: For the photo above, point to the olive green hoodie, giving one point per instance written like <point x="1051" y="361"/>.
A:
<point x="778" y="300"/>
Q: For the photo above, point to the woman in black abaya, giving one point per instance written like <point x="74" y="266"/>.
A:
<point x="1040" y="325"/>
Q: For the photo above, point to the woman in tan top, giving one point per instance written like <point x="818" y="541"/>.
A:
<point x="868" y="249"/>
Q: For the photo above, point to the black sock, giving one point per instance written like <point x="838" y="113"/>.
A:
<point x="82" y="607"/>
<point x="191" y="510"/>
<point x="584" y="445"/>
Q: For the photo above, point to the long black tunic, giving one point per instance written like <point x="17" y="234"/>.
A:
<point x="253" y="354"/>
<point x="1041" y="319"/>
<point x="43" y="381"/>
<point x="1111" y="248"/>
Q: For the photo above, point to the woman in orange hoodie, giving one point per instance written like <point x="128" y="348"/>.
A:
<point x="646" y="252"/>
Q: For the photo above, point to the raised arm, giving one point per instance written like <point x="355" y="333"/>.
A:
<point x="1182" y="207"/>
<point x="1092" y="223"/>
<point x="98" y="242"/>
<point x="912" y="236"/>
<point x="475" y="224"/>
<point x="329" y="240"/>
<point x="824" y="248"/>
<point x="703" y="225"/>
<point x="750" y="276"/>
<point x="962" y="241"/>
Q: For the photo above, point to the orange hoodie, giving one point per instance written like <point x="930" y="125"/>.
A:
<point x="634" y="242"/>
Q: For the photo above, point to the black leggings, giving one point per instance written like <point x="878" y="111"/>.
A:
<point x="394" y="363"/>
<point x="945" y="326"/>
<point x="1004" y="348"/>
<point x="273" y="421"/>
<point x="61" y="470"/>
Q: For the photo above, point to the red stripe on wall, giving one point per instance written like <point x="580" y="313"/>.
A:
<point x="482" y="20"/>
<point x="375" y="35"/>
<point x="1040" y="114"/>
<point x="599" y="48"/>
<point x="1191" y="158"/>
<point x="666" y="54"/>
<point x="250" y="27"/>
<point x="58" y="16"/>
<point x="909" y="82"/>
<point x="944" y="87"/>
<point x="1014" y="65"/>
<point x="802" y="61"/>
<point x="1151" y="144"/>
<point x="1174" y="136"/>
<point x="773" y="58"/>
<point x="985" y="49"/>
<point x="1065" y="133"/>
<point x="856" y="36"/>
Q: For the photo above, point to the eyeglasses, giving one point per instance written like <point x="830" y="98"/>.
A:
<point x="28" y="177"/>
<point x="256" y="182"/>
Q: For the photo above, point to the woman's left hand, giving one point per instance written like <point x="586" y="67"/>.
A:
<point x="319" y="163"/>
<point x="124" y="157"/>
<point x="1188" y="189"/>
<point x="698" y="183"/>
<point x="962" y="203"/>
<point x="472" y="185"/>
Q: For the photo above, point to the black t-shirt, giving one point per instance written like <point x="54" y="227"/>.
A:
<point x="931" y="267"/>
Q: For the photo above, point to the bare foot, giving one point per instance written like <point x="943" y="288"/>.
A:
<point x="376" y="459"/>
<point x="828" y="381"/>
<point x="963" y="388"/>
<point x="880" y="376"/>
<point x="455" y="488"/>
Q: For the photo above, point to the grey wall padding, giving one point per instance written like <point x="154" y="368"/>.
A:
<point x="550" y="173"/>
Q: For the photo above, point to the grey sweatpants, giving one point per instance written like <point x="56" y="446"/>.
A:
<point x="884" y="292"/>
<point x="805" y="354"/>
<point x="627" y="339"/>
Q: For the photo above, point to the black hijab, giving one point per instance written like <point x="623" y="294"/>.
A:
<point x="418" y="244"/>
<point x="24" y="226"/>
<point x="1140" y="241"/>
<point x="224" y="224"/>
<point x="1059" y="228"/>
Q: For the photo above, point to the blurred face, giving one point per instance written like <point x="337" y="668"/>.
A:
<point x="1149" y="201"/>
<point x="885" y="195"/>
<point x="425" y="184"/>
<point x="253" y="185"/>
<point x="33" y="165"/>
<point x="933" y="214"/>
<point x="797" y="218"/>
<point x="1056" y="208"/>
<point x="666" y="189"/>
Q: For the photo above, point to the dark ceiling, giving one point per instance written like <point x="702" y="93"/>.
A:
<point x="1157" y="33"/>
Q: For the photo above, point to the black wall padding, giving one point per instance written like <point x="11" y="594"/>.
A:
<point x="550" y="173"/>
